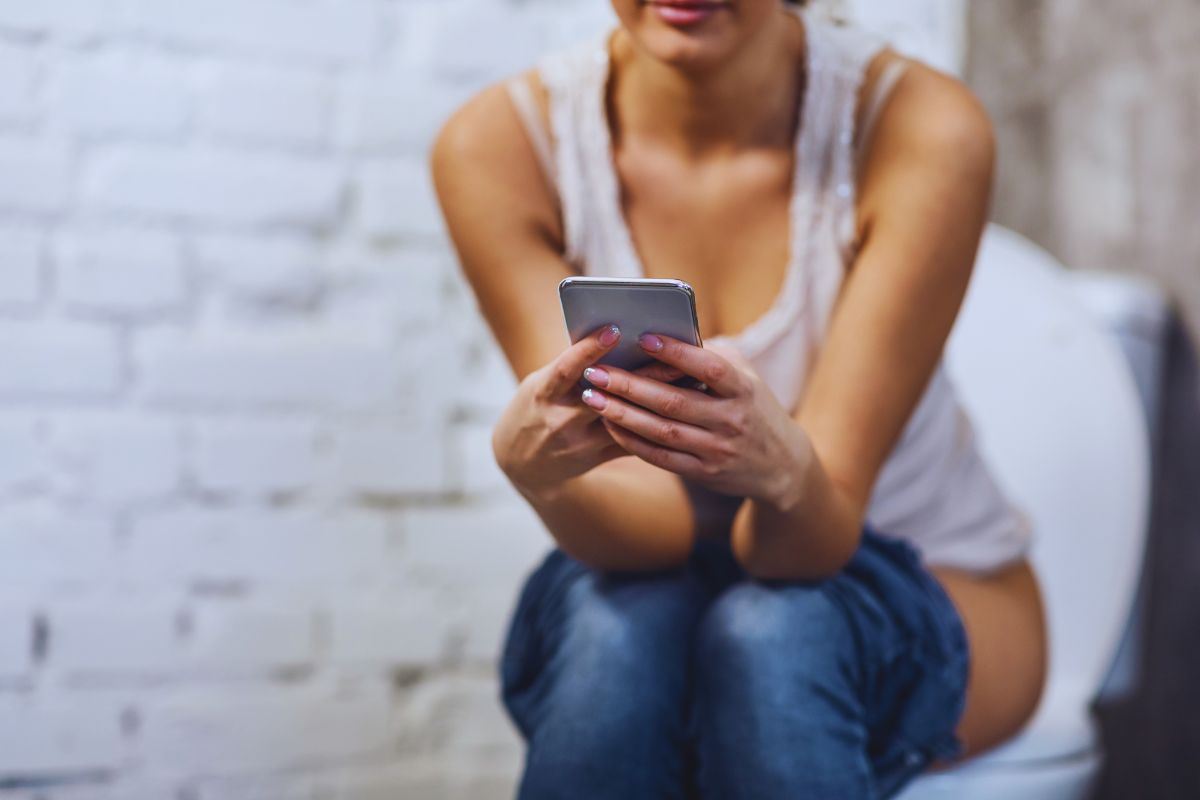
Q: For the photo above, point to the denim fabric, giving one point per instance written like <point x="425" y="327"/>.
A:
<point x="700" y="683"/>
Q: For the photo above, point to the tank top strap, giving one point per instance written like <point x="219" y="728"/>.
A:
<point x="574" y="78"/>
<point x="840" y="56"/>
<point x="527" y="111"/>
<point x="846" y="53"/>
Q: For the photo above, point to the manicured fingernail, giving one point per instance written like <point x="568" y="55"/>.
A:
<point x="650" y="342"/>
<point x="610" y="335"/>
<point x="597" y="376"/>
<point x="594" y="399"/>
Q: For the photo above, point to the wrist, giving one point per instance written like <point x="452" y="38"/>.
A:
<point x="786" y="488"/>
<point x="785" y="493"/>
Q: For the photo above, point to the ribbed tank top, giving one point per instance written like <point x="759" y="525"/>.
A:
<point x="934" y="489"/>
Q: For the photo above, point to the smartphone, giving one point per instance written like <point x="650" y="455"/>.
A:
<point x="636" y="306"/>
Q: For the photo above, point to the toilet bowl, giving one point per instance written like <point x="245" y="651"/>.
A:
<point x="1039" y="366"/>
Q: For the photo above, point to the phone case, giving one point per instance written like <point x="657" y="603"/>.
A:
<point x="636" y="306"/>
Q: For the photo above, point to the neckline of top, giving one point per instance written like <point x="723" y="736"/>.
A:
<point x="760" y="331"/>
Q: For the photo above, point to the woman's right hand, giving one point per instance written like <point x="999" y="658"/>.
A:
<point x="546" y="435"/>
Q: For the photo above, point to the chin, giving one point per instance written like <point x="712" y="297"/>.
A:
<point x="722" y="28"/>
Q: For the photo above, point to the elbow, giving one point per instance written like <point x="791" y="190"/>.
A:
<point x="795" y="560"/>
<point x="604" y="557"/>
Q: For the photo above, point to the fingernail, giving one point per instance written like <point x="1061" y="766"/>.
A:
<point x="610" y="335"/>
<point x="650" y="342"/>
<point x="597" y="376"/>
<point x="594" y="399"/>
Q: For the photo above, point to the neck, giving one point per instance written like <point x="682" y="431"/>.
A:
<point x="749" y="101"/>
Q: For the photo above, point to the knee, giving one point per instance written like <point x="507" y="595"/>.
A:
<point x="776" y="707"/>
<point x="612" y="685"/>
<point x="755" y="633"/>
<point x="620" y="628"/>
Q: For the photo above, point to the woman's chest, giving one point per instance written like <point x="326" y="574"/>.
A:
<point x="723" y="225"/>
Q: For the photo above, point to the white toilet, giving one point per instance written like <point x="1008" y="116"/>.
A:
<point x="1038" y="363"/>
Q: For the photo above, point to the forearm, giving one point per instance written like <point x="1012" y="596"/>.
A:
<point x="807" y="529"/>
<point x="618" y="517"/>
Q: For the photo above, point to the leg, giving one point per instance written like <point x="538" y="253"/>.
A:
<point x="778" y="704"/>
<point x="1005" y="624"/>
<point x="596" y="676"/>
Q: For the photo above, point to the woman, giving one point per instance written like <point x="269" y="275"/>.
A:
<point x="803" y="582"/>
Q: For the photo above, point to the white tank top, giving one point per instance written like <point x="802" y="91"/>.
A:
<point x="934" y="489"/>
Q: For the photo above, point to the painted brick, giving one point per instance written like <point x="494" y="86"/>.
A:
<point x="478" y="471"/>
<point x="461" y="714"/>
<point x="485" y="552"/>
<point x="409" y="629"/>
<point x="392" y="457"/>
<point x="71" y="732"/>
<point x="230" y="730"/>
<point x="45" y="546"/>
<point x="118" y="458"/>
<point x="398" y="113"/>
<point x="213" y="186"/>
<point x="275" y="546"/>
<point x="232" y="636"/>
<point x="471" y="41"/>
<point x="396" y="199"/>
<point x="37" y="176"/>
<point x="325" y="30"/>
<point x="233" y="369"/>
<point x="16" y="638"/>
<point x="76" y="19"/>
<point x="429" y="779"/>
<point x="58" y="360"/>
<point x="266" y="268"/>
<point x="20" y="266"/>
<point x="254" y="455"/>
<point x="24" y="460"/>
<point x="120" y="636"/>
<point x="121" y="271"/>
<point x="18" y="77"/>
<point x="260" y="106"/>
<point x="110" y="95"/>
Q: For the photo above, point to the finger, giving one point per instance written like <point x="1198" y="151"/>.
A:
<point x="666" y="432"/>
<point x="672" y="402"/>
<point x="704" y="365"/>
<point x="658" y="371"/>
<point x="566" y="370"/>
<point x="684" y="464"/>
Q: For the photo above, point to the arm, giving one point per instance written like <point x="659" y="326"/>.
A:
<point x="923" y="206"/>
<point x="610" y="512"/>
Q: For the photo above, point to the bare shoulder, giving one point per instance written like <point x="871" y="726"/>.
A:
<point x="932" y="119"/>
<point x="927" y="165"/>
<point x="482" y="156"/>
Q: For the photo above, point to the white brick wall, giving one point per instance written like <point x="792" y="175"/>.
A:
<point x="252" y="540"/>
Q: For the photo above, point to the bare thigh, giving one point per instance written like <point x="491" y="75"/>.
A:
<point x="1006" y="628"/>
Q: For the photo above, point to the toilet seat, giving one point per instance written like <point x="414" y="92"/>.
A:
<point x="1058" y="417"/>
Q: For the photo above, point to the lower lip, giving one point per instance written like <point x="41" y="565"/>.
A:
<point x="684" y="15"/>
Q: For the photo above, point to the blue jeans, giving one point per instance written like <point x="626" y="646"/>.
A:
<point x="699" y="682"/>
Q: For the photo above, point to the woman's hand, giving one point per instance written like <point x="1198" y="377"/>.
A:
<point x="738" y="440"/>
<point x="545" y="435"/>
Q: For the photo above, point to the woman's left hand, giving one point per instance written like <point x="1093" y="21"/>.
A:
<point x="738" y="440"/>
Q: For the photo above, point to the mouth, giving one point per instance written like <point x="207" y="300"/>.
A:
<point x="685" y="13"/>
